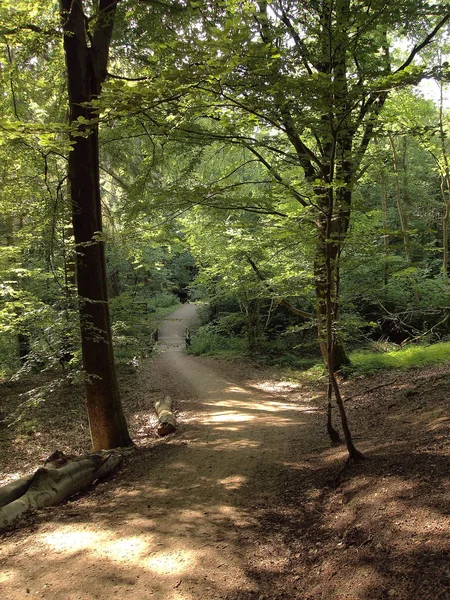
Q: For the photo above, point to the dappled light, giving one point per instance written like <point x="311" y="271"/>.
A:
<point x="170" y="563"/>
<point x="184" y="514"/>
<point x="247" y="500"/>
<point x="228" y="417"/>
<point x="70" y="540"/>
<point x="7" y="576"/>
<point x="233" y="482"/>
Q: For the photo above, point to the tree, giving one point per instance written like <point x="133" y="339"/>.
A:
<point x="86" y="46"/>
<point x="302" y="86"/>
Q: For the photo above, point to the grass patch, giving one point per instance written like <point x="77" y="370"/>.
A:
<point x="366" y="362"/>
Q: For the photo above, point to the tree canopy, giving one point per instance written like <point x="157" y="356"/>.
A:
<point x="279" y="153"/>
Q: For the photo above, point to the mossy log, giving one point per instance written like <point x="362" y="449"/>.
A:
<point x="53" y="483"/>
<point x="166" y="418"/>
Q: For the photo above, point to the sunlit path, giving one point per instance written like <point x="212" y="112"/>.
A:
<point x="174" y="523"/>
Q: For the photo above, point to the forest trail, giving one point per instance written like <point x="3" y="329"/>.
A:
<point x="180" y="520"/>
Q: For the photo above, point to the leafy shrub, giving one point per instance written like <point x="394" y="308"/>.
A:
<point x="134" y="317"/>
<point x="9" y="361"/>
<point x="162" y="300"/>
<point x="209" y="342"/>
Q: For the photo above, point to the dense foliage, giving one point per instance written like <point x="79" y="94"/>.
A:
<point x="276" y="158"/>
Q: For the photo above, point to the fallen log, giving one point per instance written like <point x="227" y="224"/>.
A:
<point x="15" y="489"/>
<point x="166" y="418"/>
<point x="53" y="483"/>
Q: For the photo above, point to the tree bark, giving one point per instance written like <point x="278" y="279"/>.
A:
<point x="52" y="484"/>
<point x="401" y="213"/>
<point x="328" y="252"/>
<point x="332" y="433"/>
<point x="445" y="183"/>
<point x="330" y="290"/>
<point x="166" y="418"/>
<point x="86" y="70"/>
<point x="385" y="227"/>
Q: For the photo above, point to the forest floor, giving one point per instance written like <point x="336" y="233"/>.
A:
<point x="247" y="500"/>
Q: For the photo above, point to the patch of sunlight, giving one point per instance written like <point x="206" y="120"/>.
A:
<point x="192" y="515"/>
<point x="71" y="541"/>
<point x="234" y="482"/>
<point x="420" y="520"/>
<point x="170" y="563"/>
<point x="180" y="466"/>
<point x="223" y="428"/>
<point x="130" y="493"/>
<point x="7" y="576"/>
<point x="237" y="390"/>
<point x="68" y="539"/>
<point x="126" y="548"/>
<point x="268" y="406"/>
<point x="238" y="516"/>
<point x="269" y="386"/>
<point x="273" y="406"/>
<point x="226" y="444"/>
<point x="11" y="477"/>
<point x="227" y="417"/>
<point x="133" y="549"/>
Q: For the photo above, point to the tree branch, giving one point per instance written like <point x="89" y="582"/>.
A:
<point x="425" y="42"/>
<point x="293" y="309"/>
<point x="277" y="176"/>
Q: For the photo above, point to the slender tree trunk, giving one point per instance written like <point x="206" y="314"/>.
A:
<point x="86" y="71"/>
<point x="385" y="226"/>
<point x="332" y="433"/>
<point x="23" y="338"/>
<point x="398" y="196"/>
<point x="330" y="301"/>
<point x="445" y="183"/>
<point x="384" y="211"/>
<point x="338" y="355"/>
<point x="445" y="219"/>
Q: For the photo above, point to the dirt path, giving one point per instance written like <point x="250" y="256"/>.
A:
<point x="181" y="520"/>
<point x="246" y="501"/>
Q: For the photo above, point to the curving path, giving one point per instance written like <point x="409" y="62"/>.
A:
<point x="181" y="519"/>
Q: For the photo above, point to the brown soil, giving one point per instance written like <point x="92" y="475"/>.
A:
<point x="247" y="500"/>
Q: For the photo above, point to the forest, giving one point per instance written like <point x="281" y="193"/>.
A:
<point x="255" y="194"/>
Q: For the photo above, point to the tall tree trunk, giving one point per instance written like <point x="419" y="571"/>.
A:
<point x="86" y="70"/>
<point x="398" y="195"/>
<point x="445" y="183"/>
<point x="385" y="226"/>
<point x="23" y="338"/>
<point x="324" y="246"/>
<point x="384" y="211"/>
<point x="331" y="254"/>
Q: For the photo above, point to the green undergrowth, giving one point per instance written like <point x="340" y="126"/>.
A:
<point x="366" y="362"/>
<point x="363" y="362"/>
<point x="135" y="320"/>
<point x="209" y="343"/>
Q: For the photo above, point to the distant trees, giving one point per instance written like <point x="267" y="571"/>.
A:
<point x="302" y="88"/>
